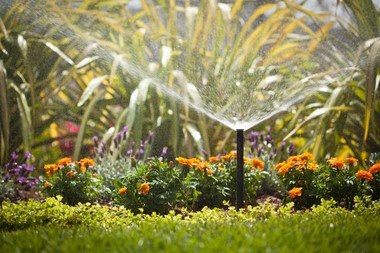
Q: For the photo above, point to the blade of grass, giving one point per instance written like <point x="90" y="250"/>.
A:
<point x="4" y="111"/>
<point x="83" y="125"/>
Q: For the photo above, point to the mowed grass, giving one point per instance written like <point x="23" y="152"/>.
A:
<point x="310" y="232"/>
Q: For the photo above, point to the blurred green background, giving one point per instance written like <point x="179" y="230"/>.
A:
<point x="70" y="70"/>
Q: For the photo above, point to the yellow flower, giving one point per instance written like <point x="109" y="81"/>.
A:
<point x="375" y="168"/>
<point x="64" y="161"/>
<point x="362" y="174"/>
<point x="143" y="188"/>
<point x="296" y="191"/>
<point x="122" y="190"/>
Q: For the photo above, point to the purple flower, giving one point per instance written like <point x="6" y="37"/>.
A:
<point x="150" y="139"/>
<point x="21" y="179"/>
<point x="125" y="130"/>
<point x="253" y="144"/>
<point x="204" y="152"/>
<point x="119" y="135"/>
<point x="271" y="155"/>
<point x="96" y="141"/>
<point x="129" y="152"/>
<point x="14" y="156"/>
<point x="164" y="152"/>
<point x="115" y="142"/>
<point x="283" y="146"/>
<point x="27" y="155"/>
<point x="261" y="137"/>
<point x="259" y="149"/>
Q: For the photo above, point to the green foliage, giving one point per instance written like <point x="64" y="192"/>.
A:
<point x="74" y="181"/>
<point x="341" y="184"/>
<point x="153" y="186"/>
<point x="52" y="226"/>
<point x="307" y="182"/>
<point x="7" y="187"/>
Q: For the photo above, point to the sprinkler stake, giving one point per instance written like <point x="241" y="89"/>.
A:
<point x="239" y="168"/>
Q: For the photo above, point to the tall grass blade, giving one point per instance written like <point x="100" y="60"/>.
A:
<point x="371" y="84"/>
<point x="92" y="85"/>
<point x="4" y="111"/>
<point x="25" y="117"/>
<point x="83" y="125"/>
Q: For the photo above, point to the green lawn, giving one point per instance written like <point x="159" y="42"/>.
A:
<point x="325" y="229"/>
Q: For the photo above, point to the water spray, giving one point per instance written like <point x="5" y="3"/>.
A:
<point x="239" y="168"/>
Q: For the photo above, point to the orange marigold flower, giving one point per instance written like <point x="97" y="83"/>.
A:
<point x="296" y="191"/>
<point x="283" y="169"/>
<point x="189" y="162"/>
<point x="351" y="160"/>
<point x="50" y="168"/>
<point x="294" y="159"/>
<point x="375" y="168"/>
<point x="122" y="190"/>
<point x="65" y="161"/>
<point x="214" y="159"/>
<point x="70" y="174"/>
<point x="279" y="165"/>
<point x="83" y="168"/>
<point x="95" y="175"/>
<point x="312" y="166"/>
<point x="363" y="174"/>
<point x="87" y="161"/>
<point x="336" y="162"/>
<point x="143" y="188"/>
<point x="301" y="164"/>
<point x="307" y="156"/>
<point x="203" y="165"/>
<point x="257" y="164"/>
<point x="226" y="157"/>
<point x="246" y="159"/>
<point x="209" y="172"/>
<point x="46" y="184"/>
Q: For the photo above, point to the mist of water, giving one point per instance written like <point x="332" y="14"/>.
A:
<point x="234" y="102"/>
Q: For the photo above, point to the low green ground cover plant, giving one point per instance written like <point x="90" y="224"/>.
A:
<point x="52" y="226"/>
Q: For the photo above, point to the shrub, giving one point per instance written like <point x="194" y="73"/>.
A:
<point x="16" y="176"/>
<point x="213" y="182"/>
<point x="153" y="186"/>
<point x="296" y="176"/>
<point x="74" y="181"/>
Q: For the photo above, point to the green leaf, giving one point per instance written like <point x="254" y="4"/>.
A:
<point x="94" y="83"/>
<point x="83" y="125"/>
